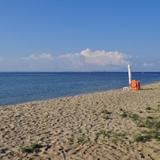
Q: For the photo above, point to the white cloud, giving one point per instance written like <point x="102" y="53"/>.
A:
<point x="104" y="58"/>
<point x="73" y="60"/>
<point x="86" y="60"/>
<point x="42" y="56"/>
<point x="97" y="58"/>
<point x="147" y="63"/>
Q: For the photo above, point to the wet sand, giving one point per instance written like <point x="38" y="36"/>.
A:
<point x="98" y="126"/>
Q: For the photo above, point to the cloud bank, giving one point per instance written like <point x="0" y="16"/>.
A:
<point x="86" y="60"/>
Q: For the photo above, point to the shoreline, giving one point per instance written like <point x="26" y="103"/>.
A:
<point x="100" y="125"/>
<point x="59" y="98"/>
<point x="72" y="96"/>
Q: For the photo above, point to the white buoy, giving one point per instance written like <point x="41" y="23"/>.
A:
<point x="129" y="74"/>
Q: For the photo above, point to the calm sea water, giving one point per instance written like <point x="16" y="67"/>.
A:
<point x="24" y="87"/>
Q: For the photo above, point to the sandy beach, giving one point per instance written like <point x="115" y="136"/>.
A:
<point x="111" y="125"/>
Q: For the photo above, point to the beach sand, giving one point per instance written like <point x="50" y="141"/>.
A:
<point x="109" y="125"/>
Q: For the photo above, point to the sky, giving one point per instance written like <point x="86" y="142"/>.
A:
<point x="79" y="35"/>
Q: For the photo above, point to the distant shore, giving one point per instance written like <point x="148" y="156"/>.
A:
<point x="112" y="125"/>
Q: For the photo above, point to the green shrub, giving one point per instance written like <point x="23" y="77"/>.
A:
<point x="134" y="117"/>
<point x="31" y="149"/>
<point x="146" y="136"/>
<point x="152" y="123"/>
<point x="142" y="137"/>
<point x="124" y="114"/>
<point x="27" y="150"/>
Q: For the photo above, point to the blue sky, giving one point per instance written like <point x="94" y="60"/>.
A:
<point x="79" y="35"/>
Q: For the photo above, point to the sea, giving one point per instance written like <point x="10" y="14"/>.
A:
<point x="25" y="87"/>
